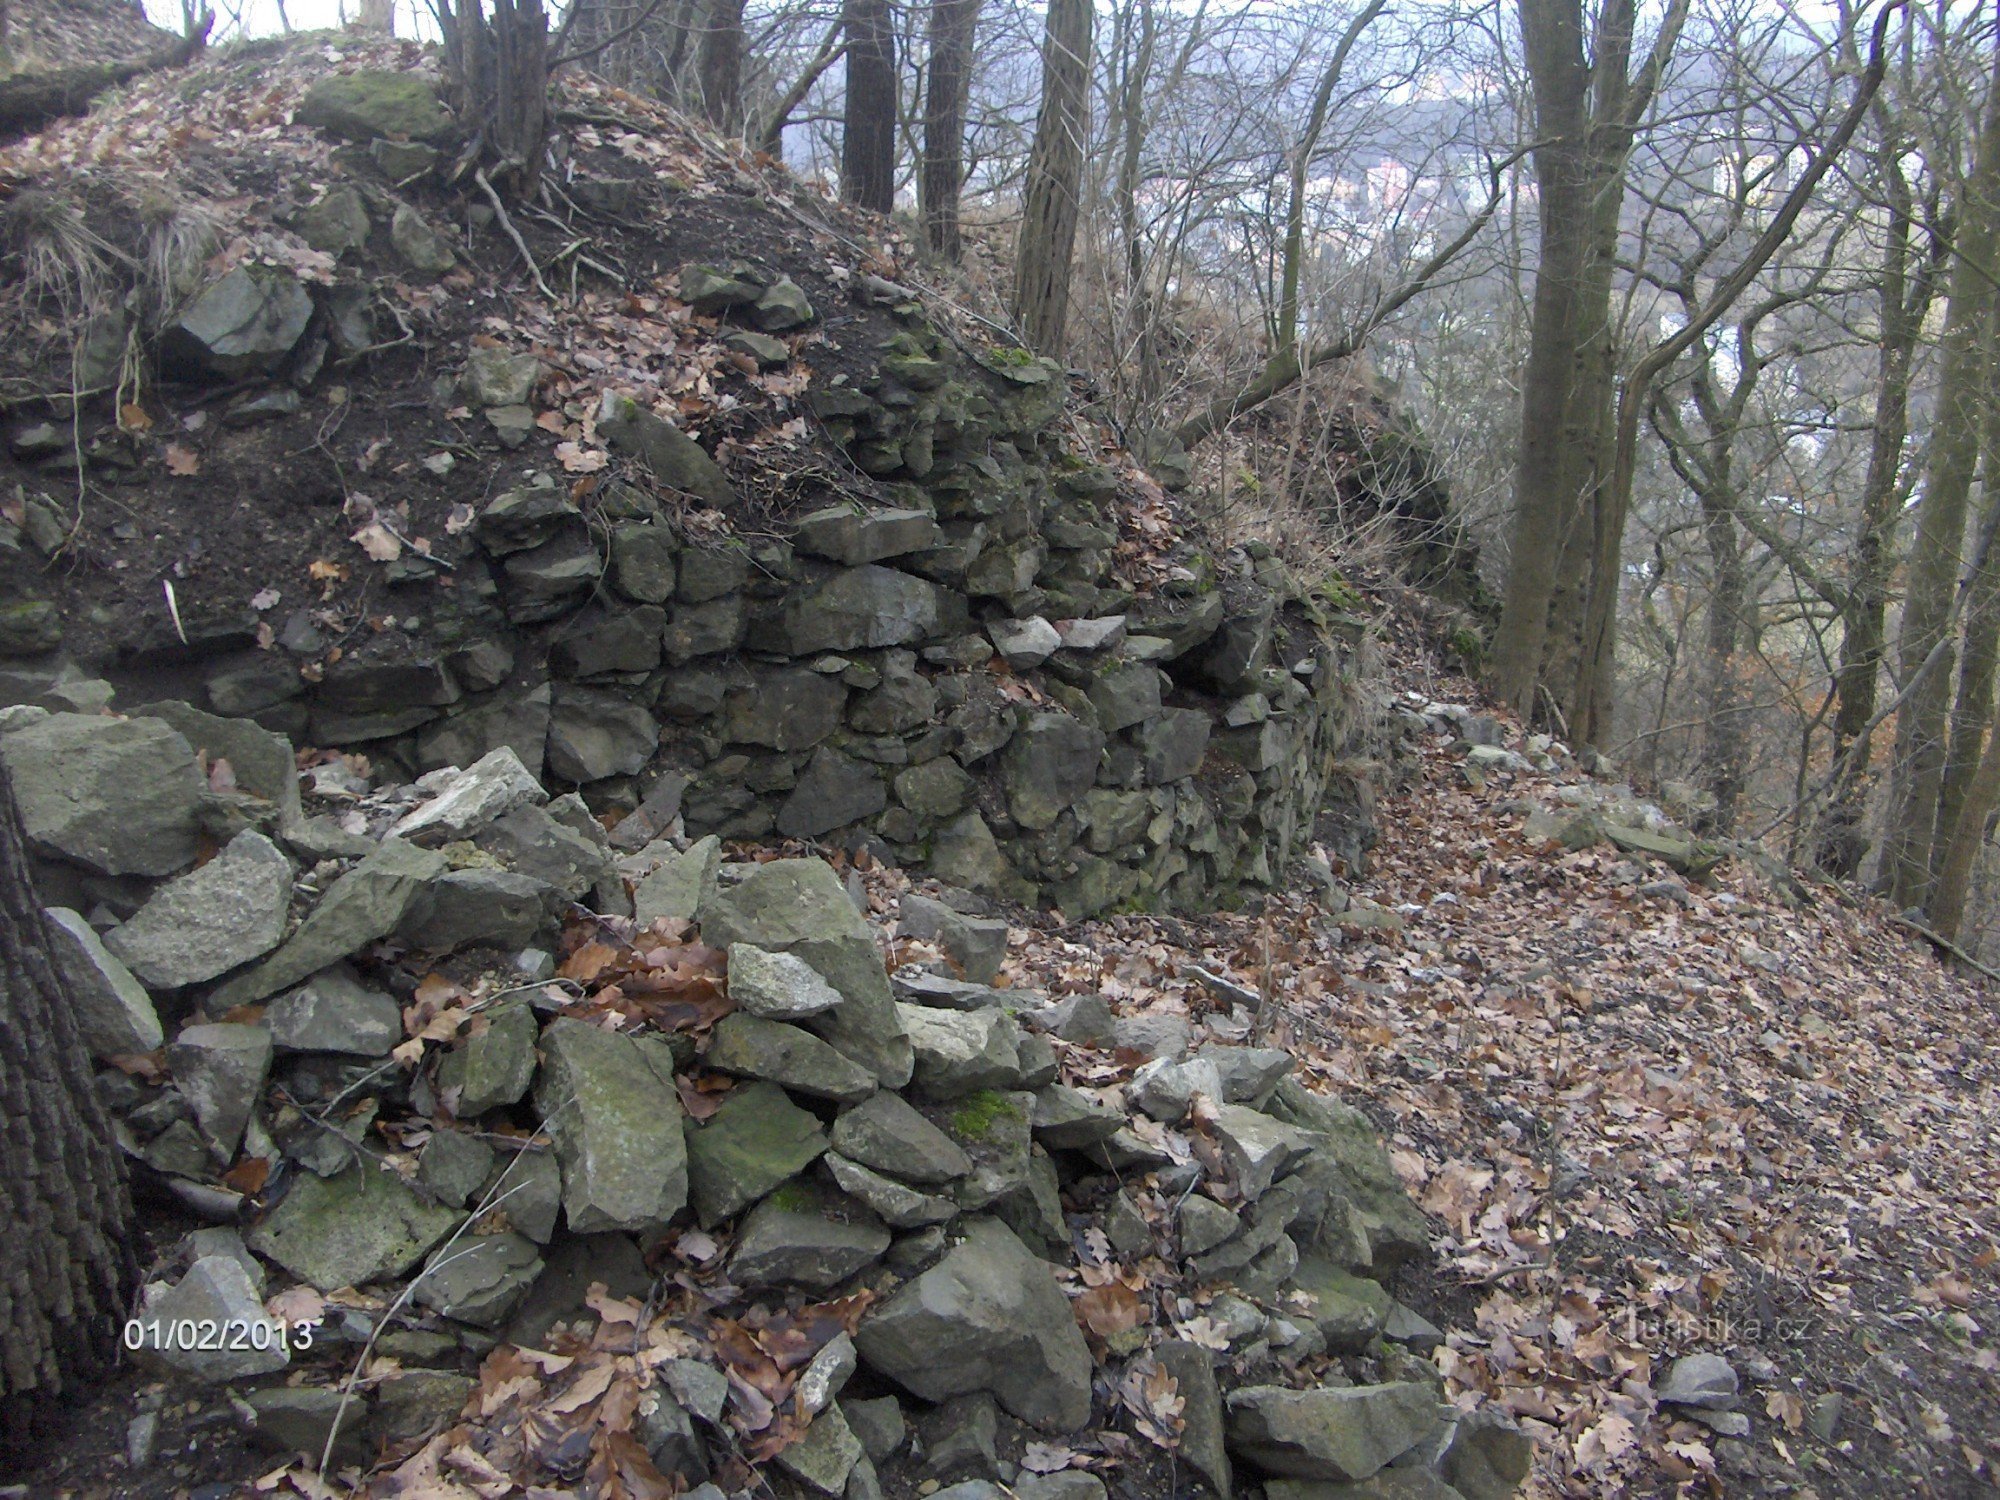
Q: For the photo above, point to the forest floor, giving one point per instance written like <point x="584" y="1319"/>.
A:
<point x="1651" y="1118"/>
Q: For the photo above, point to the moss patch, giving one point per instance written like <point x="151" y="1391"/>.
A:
<point x="978" y="1113"/>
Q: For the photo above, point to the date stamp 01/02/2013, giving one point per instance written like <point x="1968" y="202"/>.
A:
<point x="218" y="1335"/>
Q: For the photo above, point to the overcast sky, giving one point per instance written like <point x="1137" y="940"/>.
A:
<point x="262" y="18"/>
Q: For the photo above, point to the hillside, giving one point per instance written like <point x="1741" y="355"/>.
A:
<point x="854" y="726"/>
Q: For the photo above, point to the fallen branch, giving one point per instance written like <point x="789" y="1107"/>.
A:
<point x="1938" y="940"/>
<point x="29" y="101"/>
<point x="506" y="223"/>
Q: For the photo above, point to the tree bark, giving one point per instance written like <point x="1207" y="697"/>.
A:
<point x="68" y="1269"/>
<point x="720" y="59"/>
<point x="1055" y="171"/>
<point x="29" y="101"/>
<point x="378" y="16"/>
<point x="868" y="132"/>
<point x="1937" y="553"/>
<point x="952" y="26"/>
<point x="497" y="68"/>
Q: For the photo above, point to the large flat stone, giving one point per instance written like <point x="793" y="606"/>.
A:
<point x="1337" y="1433"/>
<point x="363" y="1225"/>
<point x="610" y="1106"/>
<point x="113" y="1010"/>
<point x="118" y="796"/>
<point x="212" y="919"/>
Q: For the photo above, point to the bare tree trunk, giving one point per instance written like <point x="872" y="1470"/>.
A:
<point x="721" y="64"/>
<point x="868" y="132"/>
<point x="68" y="1268"/>
<point x="1055" y="172"/>
<point x="952" y="26"/>
<point x="498" y="72"/>
<point x="1938" y="551"/>
<point x="378" y="16"/>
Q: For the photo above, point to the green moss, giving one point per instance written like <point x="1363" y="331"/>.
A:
<point x="795" y="1197"/>
<point x="1470" y="647"/>
<point x="978" y="1113"/>
<point x="1013" y="357"/>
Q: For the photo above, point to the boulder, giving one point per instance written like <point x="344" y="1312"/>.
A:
<point x="609" y="1104"/>
<point x="853" y="537"/>
<point x="1202" y="1436"/>
<point x="365" y="904"/>
<point x="1174" y="744"/>
<point x="752" y="1047"/>
<point x="1707" y="1381"/>
<point x="595" y="734"/>
<point x="978" y="945"/>
<point x="479" y="1279"/>
<point x="363" y="1224"/>
<point x="422" y="248"/>
<point x="936" y="789"/>
<point x="363" y="105"/>
<point x="455" y="1166"/>
<point x="493" y="908"/>
<point x="245" y="323"/>
<point x="965" y="853"/>
<point x="212" y="919"/>
<point x="311" y="1420"/>
<point x="1256" y="1147"/>
<point x="1348" y="1160"/>
<point x="835" y="790"/>
<point x="777" y="986"/>
<point x="1247" y="1073"/>
<point x="609" y="643"/>
<point x="335" y="1012"/>
<point x="676" y="890"/>
<point x="962" y="1052"/>
<point x="496" y="377"/>
<point x="756" y="1140"/>
<point x="898" y="1206"/>
<point x="113" y="1010"/>
<point x="261" y="762"/>
<point x="215" y="1290"/>
<point x="1348" y="1310"/>
<point x="532" y="841"/>
<point x="495" y="784"/>
<point x="677" y="461"/>
<point x="788" y="709"/>
<point x="825" y="1457"/>
<point x="885" y="1133"/>
<point x="855" y="608"/>
<point x="1068" y="1119"/>
<point x="518" y="721"/>
<point x="1489" y="1456"/>
<point x="1337" y="1433"/>
<point x="493" y="1062"/>
<point x="1125" y="695"/>
<point x="337" y="223"/>
<point x="782" y="306"/>
<point x="987" y="1317"/>
<point x="806" y="1236"/>
<point x="1024" y="644"/>
<point x="118" y="796"/>
<point x="220" y="1071"/>
<point x="799" y="906"/>
<point x="1049" y="763"/>
<point x="1166" y="1089"/>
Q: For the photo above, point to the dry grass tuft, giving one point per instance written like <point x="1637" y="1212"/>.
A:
<point x="65" y="264"/>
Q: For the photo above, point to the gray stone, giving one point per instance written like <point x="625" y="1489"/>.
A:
<point x="1067" y="1484"/>
<point x="868" y="606"/>
<point x="677" y="461"/>
<point x="960" y="1438"/>
<point x="878" y="1423"/>
<point x="783" y="306"/>
<point x="491" y="908"/>
<point x="1343" y="1434"/>
<point x="854" y="537"/>
<point x="454" y="1166"/>
<point x="1202" y="1442"/>
<point x="1155" y="1033"/>
<point x="215" y="1290"/>
<point x="962" y="1052"/>
<point x="423" y="249"/>
<point x="897" y="1206"/>
<point x="1489" y="1457"/>
<point x="493" y="1062"/>
<point x="113" y="1010"/>
<point x="942" y="992"/>
<point x="799" y="906"/>
<point x="1125" y="695"/>
<point x="365" y="904"/>
<point x="1248" y="1073"/>
<point x="403" y="161"/>
<point x="704" y="629"/>
<point x="1349" y="1311"/>
<point x="1411" y="1329"/>
<point x="220" y="1070"/>
<point x="1174" y="744"/>
<point x="531" y="841"/>
<point x="1204" y="1224"/>
<point x="754" y="1142"/>
<point x="885" y="1133"/>
<point x="1038" y="1061"/>
<point x="806" y="1236"/>
<point x="769" y="353"/>
<point x="676" y="890"/>
<point x="1166" y="1089"/>
<point x="717" y="289"/>
<point x="823" y="1459"/>
<point x="1068" y="1119"/>
<point x="1049" y="763"/>
<point x="1348" y="1160"/>
<point x="361" y="1225"/>
<point x="965" y="853"/>
<point x="788" y="709"/>
<point x="936" y="789"/>
<point x="642" y="562"/>
<point x="518" y="721"/>
<point x="302" y="1419"/>
<point x="246" y="323"/>
<point x="363" y="105"/>
<point x="710" y="572"/>
<point x="335" y="1012"/>
<point x="1024" y="644"/>
<point x="337" y="223"/>
<point x="595" y="734"/>
<point x="609" y="1104"/>
<point x="751" y="1047"/>
<point x="416" y="1403"/>
<point x="903" y="701"/>
<point x="1256" y="1147"/>
<point x="777" y="986"/>
<point x="1705" y="1380"/>
<point x="496" y="377"/>
<point x="212" y="919"/>
<point x="701" y="1389"/>
<point x="1101" y="634"/>
<point x="260" y="761"/>
<point x="528" y="1189"/>
<point x="653" y="816"/>
<point x="988" y="1317"/>
<point x="835" y="790"/>
<point x="1085" y="1020"/>
<point x="118" y="796"/>
<point x="494" y="785"/>
<point x="662" y="1426"/>
<point x="825" y="1376"/>
<point x="978" y="945"/>
<point x="479" y="1279"/>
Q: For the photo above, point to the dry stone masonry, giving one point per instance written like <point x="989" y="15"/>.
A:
<point x="431" y="1104"/>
